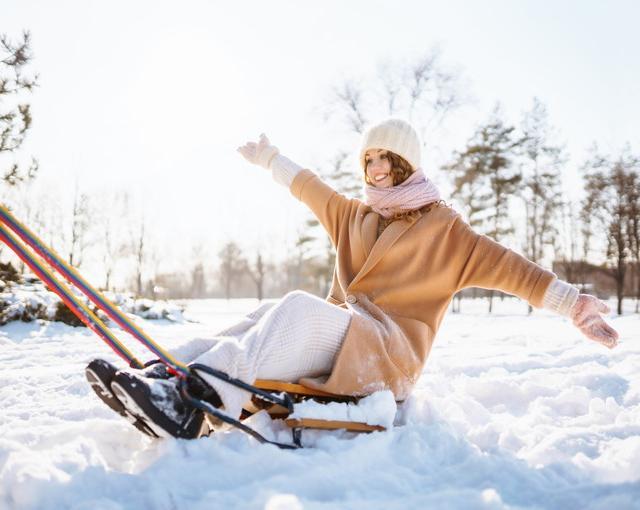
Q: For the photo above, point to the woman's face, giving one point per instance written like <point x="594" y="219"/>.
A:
<point x="378" y="168"/>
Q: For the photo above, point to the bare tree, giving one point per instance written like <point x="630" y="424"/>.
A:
<point x="257" y="272"/>
<point x="232" y="266"/>
<point x="567" y="252"/>
<point x="114" y="243"/>
<point x="608" y="184"/>
<point x="80" y="226"/>
<point x="198" y="285"/>
<point x="140" y="255"/>
<point x="541" y="185"/>
<point x="198" y="281"/>
<point x="424" y="91"/>
<point x="633" y="198"/>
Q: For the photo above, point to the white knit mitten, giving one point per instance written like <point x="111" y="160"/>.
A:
<point x="267" y="156"/>
<point x="260" y="153"/>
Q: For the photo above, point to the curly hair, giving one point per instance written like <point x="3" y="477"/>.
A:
<point x="401" y="169"/>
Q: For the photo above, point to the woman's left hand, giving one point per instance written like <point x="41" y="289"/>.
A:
<point x="586" y="317"/>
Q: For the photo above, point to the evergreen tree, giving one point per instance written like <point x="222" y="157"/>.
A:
<point x="485" y="178"/>
<point x="15" y="114"/>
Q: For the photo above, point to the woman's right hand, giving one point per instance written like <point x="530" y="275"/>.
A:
<point x="260" y="153"/>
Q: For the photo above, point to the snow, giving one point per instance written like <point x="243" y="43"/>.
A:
<point x="377" y="409"/>
<point x="512" y="411"/>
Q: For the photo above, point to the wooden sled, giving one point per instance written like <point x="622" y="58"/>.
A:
<point x="278" y="399"/>
<point x="299" y="393"/>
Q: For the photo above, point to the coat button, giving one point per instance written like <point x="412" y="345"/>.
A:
<point x="351" y="299"/>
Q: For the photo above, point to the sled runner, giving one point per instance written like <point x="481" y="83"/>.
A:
<point x="277" y="397"/>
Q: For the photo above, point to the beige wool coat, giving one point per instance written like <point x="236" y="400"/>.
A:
<point x="399" y="286"/>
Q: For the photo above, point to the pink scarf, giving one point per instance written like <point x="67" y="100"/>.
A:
<point x="415" y="192"/>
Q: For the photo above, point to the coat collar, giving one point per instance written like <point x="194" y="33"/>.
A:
<point x="374" y="248"/>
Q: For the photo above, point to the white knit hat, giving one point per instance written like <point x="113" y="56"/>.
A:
<point x="394" y="135"/>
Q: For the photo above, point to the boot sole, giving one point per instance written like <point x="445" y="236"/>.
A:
<point x="105" y="394"/>
<point x="136" y="402"/>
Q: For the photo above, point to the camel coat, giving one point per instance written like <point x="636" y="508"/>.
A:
<point x="398" y="287"/>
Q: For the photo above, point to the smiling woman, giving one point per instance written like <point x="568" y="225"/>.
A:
<point x="390" y="292"/>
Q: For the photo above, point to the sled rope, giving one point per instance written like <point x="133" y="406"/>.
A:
<point x="76" y="306"/>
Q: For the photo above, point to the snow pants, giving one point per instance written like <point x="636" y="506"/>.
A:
<point x="298" y="336"/>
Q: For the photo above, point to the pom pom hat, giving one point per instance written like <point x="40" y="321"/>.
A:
<point x="394" y="135"/>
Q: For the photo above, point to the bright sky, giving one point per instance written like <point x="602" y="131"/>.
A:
<point x="156" y="96"/>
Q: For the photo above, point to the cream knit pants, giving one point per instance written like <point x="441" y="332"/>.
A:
<point x="298" y="336"/>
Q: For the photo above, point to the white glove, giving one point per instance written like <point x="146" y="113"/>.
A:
<point x="586" y="317"/>
<point x="260" y="153"/>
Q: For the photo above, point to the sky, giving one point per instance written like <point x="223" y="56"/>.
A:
<point x="155" y="96"/>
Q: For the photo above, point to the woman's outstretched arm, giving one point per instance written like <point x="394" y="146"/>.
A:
<point x="490" y="265"/>
<point x="330" y="207"/>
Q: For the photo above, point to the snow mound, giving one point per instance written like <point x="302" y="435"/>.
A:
<point x="26" y="302"/>
<point x="377" y="409"/>
<point x="31" y="301"/>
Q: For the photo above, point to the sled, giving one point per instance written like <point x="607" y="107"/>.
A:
<point x="299" y="392"/>
<point x="276" y="397"/>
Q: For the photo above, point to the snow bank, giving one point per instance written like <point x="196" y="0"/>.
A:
<point x="31" y="301"/>
<point x="511" y="411"/>
<point x="26" y="302"/>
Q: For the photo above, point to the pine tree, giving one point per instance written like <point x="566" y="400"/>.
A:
<point x="486" y="178"/>
<point x="15" y="114"/>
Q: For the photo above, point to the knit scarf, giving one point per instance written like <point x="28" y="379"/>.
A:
<point x="414" y="193"/>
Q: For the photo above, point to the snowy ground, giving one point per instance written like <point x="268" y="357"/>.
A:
<point x="511" y="412"/>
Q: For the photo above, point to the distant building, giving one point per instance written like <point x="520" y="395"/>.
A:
<point x="597" y="280"/>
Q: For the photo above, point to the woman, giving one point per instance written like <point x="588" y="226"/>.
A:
<point x="401" y="255"/>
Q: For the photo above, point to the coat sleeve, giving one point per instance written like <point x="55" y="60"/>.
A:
<point x="487" y="264"/>
<point x="329" y="206"/>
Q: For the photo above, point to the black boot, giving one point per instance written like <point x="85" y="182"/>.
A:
<point x="158" y="404"/>
<point x="100" y="374"/>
